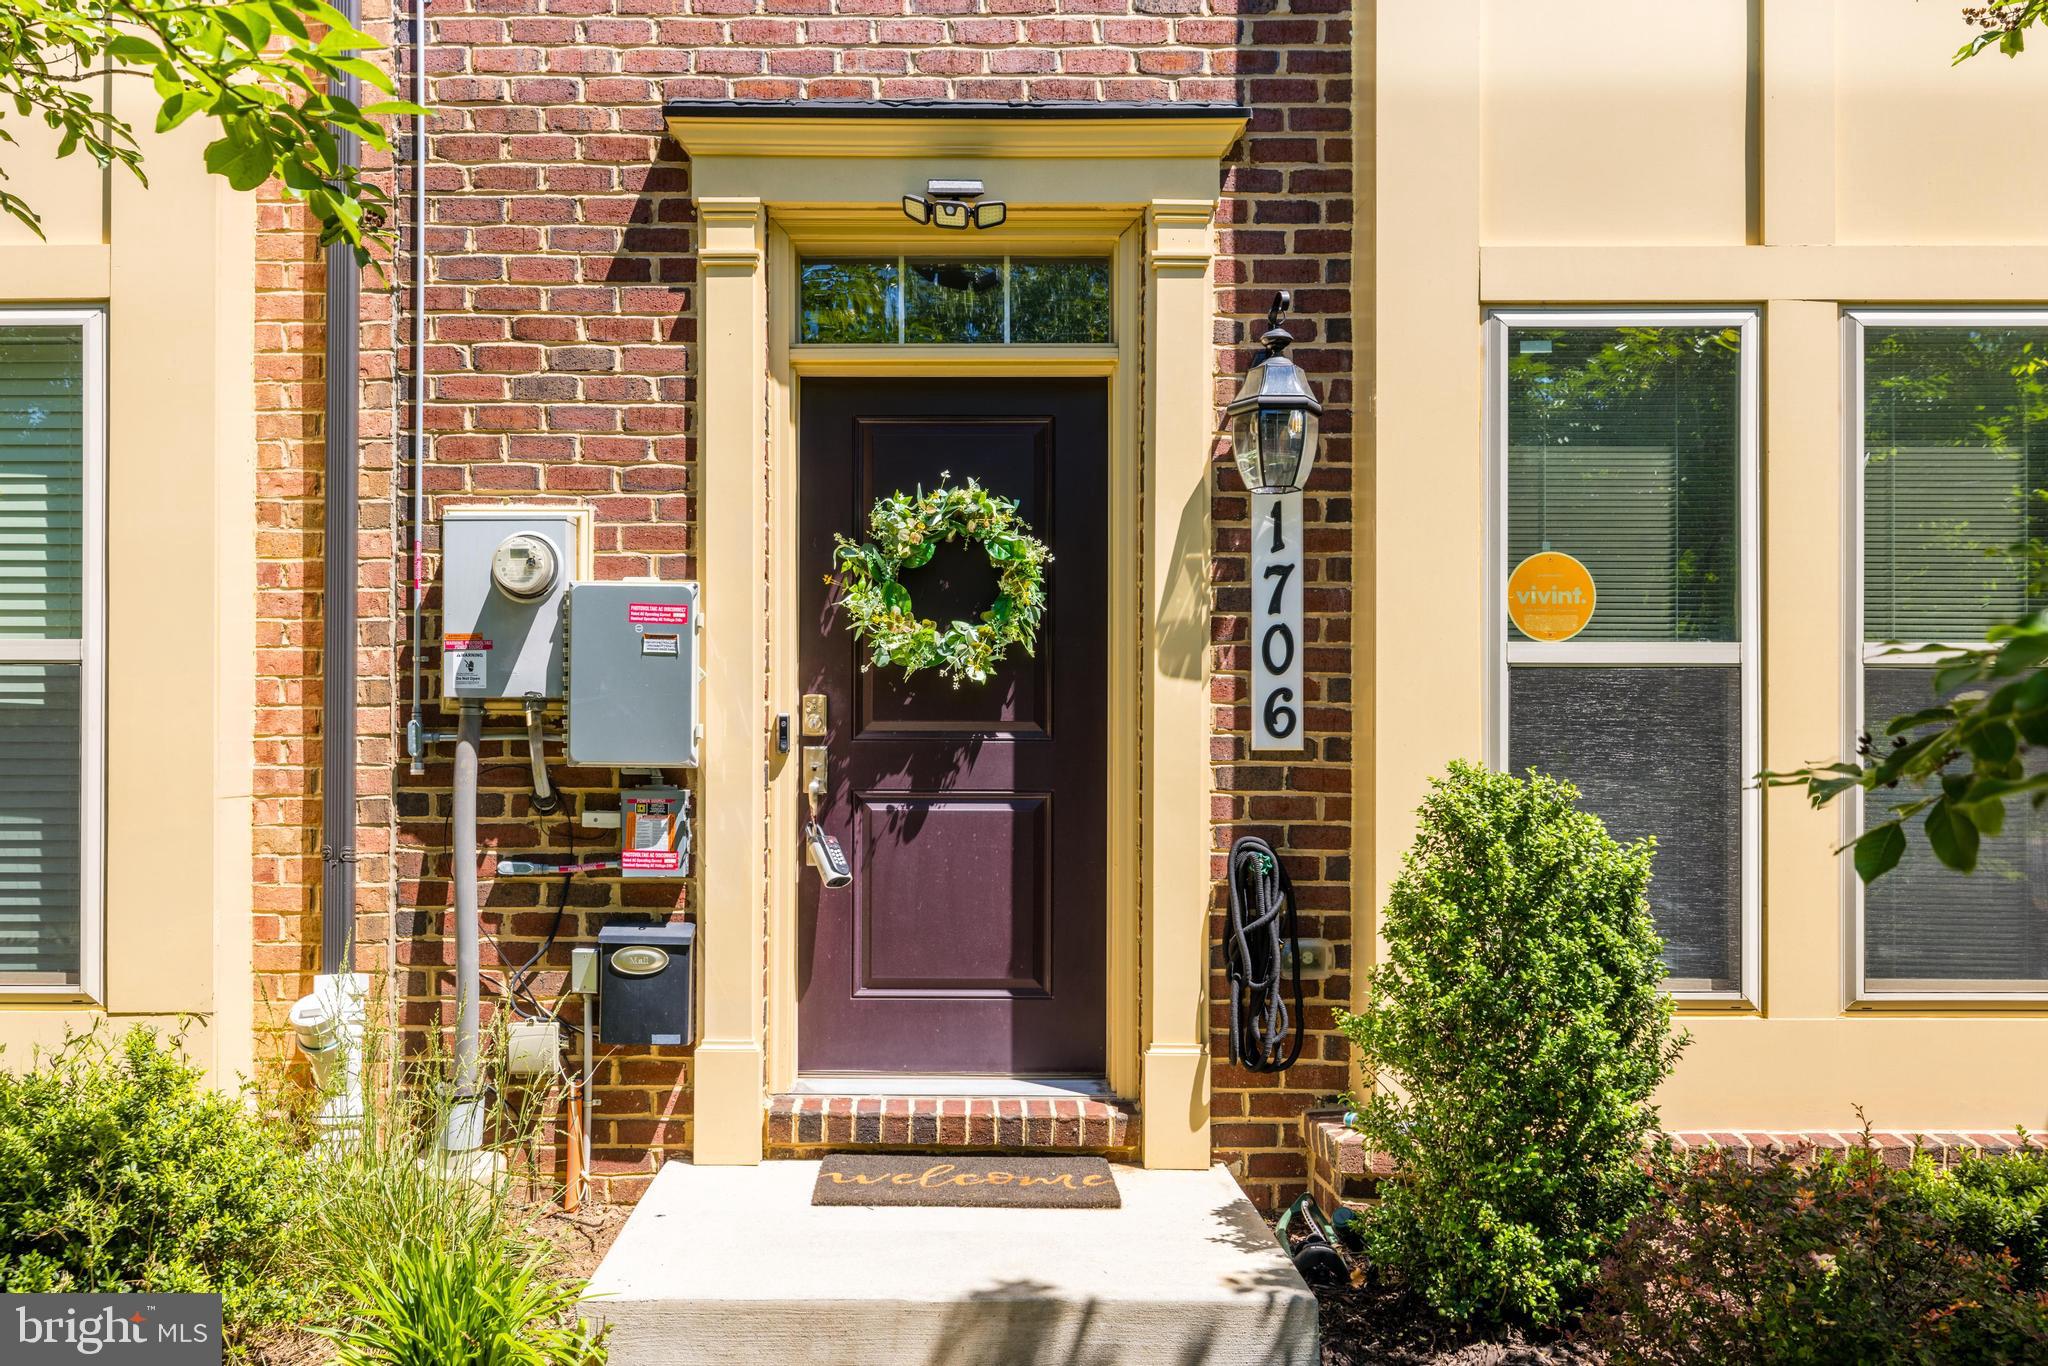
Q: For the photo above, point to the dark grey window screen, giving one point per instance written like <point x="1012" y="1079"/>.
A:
<point x="1655" y="752"/>
<point x="1955" y="440"/>
<point x="1625" y="452"/>
<point x="1925" y="925"/>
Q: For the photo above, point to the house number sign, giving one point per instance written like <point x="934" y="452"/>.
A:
<point x="1277" y="702"/>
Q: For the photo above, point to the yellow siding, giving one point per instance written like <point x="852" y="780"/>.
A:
<point x="1616" y="120"/>
<point x="1796" y="156"/>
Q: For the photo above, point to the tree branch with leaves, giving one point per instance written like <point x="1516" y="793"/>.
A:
<point x="265" y="71"/>
<point x="2002" y="24"/>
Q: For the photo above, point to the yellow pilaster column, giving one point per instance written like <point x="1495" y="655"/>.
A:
<point x="1179" y="417"/>
<point x="732" y="561"/>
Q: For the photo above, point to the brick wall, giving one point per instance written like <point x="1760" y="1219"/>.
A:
<point x="291" y="376"/>
<point x="561" y="331"/>
<point x="290" y="308"/>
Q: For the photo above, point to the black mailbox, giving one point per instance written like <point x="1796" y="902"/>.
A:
<point x="644" y="984"/>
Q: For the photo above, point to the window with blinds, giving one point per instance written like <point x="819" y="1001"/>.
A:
<point x="1626" y="445"/>
<point x="44" y="616"/>
<point x="1954" y="444"/>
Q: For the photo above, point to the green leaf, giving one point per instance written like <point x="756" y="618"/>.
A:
<point x="242" y="159"/>
<point x="1995" y="743"/>
<point x="2020" y="655"/>
<point x="1929" y="716"/>
<point x="897" y="597"/>
<point x="134" y="51"/>
<point x="1953" y="838"/>
<point x="1879" y="851"/>
<point x="1988" y="817"/>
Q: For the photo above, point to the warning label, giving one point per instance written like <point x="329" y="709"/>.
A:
<point x="463" y="642"/>
<point x="659" y="613"/>
<point x="662" y="860"/>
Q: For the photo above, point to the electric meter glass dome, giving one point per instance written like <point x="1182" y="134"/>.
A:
<point x="524" y="565"/>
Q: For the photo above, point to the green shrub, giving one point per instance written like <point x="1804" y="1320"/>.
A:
<point x="121" y="1170"/>
<point x="1821" y="1261"/>
<point x="1517" y="1031"/>
<point x="429" y="1303"/>
<point x="1991" y="1204"/>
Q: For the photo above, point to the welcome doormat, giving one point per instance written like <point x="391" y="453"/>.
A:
<point x="986" y="1182"/>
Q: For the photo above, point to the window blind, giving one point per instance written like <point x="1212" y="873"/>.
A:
<point x="1955" y="431"/>
<point x="42" y="482"/>
<point x="40" y="844"/>
<point x="42" y="617"/>
<point x="1624" y="452"/>
<point x="1624" y="449"/>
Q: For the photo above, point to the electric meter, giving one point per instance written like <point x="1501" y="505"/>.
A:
<point x="525" y="566"/>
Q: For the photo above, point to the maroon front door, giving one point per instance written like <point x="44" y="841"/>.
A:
<point x="972" y="936"/>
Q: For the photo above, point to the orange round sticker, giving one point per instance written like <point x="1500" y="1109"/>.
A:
<point x="1550" y="596"/>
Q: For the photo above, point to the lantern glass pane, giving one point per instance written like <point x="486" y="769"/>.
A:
<point x="1269" y="444"/>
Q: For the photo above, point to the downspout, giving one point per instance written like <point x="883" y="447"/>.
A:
<point x="329" y="1021"/>
<point x="338" y="585"/>
<point x="464" y="1130"/>
<point x="415" y="739"/>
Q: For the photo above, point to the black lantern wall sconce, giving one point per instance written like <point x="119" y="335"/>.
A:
<point x="1275" y="417"/>
<point x="956" y="204"/>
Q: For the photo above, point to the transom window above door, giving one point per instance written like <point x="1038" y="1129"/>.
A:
<point x="985" y="300"/>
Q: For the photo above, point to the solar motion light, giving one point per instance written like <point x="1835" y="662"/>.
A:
<point x="952" y="204"/>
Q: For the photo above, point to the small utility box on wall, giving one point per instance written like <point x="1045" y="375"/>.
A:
<point x="505" y="573"/>
<point x="644" y="981"/>
<point x="633" y="674"/>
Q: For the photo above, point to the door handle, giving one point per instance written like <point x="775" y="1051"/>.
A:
<point x="814" y="776"/>
<point x="823" y="850"/>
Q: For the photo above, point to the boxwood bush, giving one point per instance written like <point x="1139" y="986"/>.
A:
<point x="120" y="1169"/>
<point x="1516" y="1032"/>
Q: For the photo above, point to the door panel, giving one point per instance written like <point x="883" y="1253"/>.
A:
<point x="972" y="938"/>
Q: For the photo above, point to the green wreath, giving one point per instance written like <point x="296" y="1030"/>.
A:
<point x="908" y="530"/>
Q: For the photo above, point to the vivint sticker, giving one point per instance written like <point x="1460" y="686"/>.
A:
<point x="1551" y="596"/>
<point x="659" y="613"/>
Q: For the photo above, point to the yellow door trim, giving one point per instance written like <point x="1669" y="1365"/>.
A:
<point x="1152" y="211"/>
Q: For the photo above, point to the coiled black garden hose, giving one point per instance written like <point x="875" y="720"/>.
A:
<point x="1265" y="1036"/>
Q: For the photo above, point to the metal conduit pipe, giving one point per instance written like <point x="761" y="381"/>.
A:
<point x="415" y="746"/>
<point x="464" y="1132"/>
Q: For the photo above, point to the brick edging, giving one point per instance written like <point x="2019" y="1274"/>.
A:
<point x="1070" y="1123"/>
<point x="1342" y="1168"/>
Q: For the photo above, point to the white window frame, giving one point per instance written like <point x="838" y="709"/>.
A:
<point x="89" y="652"/>
<point x="1744" y="654"/>
<point x="1858" y="655"/>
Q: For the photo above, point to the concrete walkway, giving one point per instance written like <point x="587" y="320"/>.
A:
<point x="735" y="1265"/>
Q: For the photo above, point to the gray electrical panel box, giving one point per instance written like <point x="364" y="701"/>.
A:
<point x="633" y="674"/>
<point x="505" y="573"/>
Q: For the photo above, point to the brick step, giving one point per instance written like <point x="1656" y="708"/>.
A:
<point x="813" y="1124"/>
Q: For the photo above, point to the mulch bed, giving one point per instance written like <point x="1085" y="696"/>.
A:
<point x="1373" y="1325"/>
